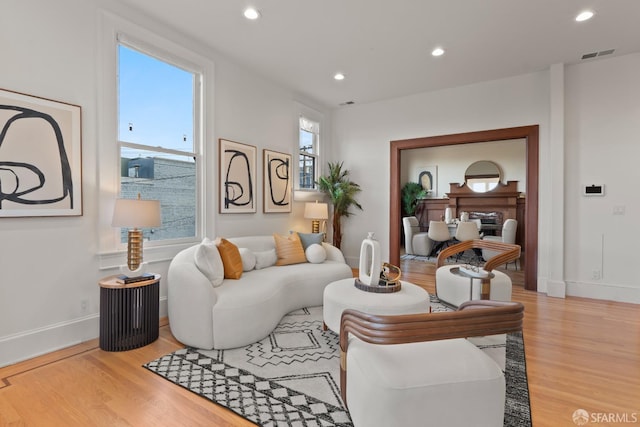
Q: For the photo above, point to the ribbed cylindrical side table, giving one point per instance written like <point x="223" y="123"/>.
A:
<point x="129" y="313"/>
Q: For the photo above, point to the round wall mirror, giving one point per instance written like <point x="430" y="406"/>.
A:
<point x="482" y="176"/>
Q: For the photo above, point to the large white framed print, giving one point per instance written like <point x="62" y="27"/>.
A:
<point x="40" y="156"/>
<point x="276" y="182"/>
<point x="237" y="177"/>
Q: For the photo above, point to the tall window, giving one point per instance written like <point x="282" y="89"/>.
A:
<point x="308" y="153"/>
<point x="158" y="110"/>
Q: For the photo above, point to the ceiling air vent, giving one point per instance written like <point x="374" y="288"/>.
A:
<point x="342" y="104"/>
<point x="601" y="53"/>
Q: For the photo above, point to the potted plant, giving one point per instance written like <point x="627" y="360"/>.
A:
<point x="411" y="193"/>
<point x="342" y="192"/>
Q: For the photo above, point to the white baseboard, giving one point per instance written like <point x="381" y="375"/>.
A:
<point x="556" y="288"/>
<point x="36" y="342"/>
<point x="604" y="291"/>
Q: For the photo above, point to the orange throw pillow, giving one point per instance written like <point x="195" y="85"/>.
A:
<point x="231" y="259"/>
<point x="289" y="249"/>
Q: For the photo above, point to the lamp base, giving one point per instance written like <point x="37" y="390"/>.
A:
<point x="134" y="249"/>
<point x="142" y="268"/>
<point x="315" y="226"/>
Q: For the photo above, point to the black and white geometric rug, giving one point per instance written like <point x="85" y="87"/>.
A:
<point x="291" y="378"/>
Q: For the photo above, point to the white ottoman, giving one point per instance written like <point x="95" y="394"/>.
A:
<point x="343" y="294"/>
<point x="455" y="289"/>
<point x="437" y="383"/>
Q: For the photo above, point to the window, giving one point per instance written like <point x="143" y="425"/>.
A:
<point x="309" y="142"/>
<point x="158" y="110"/>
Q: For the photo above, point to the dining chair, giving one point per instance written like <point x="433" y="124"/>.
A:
<point x="509" y="228"/>
<point x="467" y="231"/>
<point x="439" y="233"/>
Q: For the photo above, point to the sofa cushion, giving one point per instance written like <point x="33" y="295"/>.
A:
<point x="248" y="259"/>
<point x="315" y="253"/>
<point x="231" y="259"/>
<point x="265" y="259"/>
<point x="309" y="239"/>
<point x="208" y="261"/>
<point x="289" y="249"/>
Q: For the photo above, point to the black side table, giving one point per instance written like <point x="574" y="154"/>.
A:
<point x="129" y="313"/>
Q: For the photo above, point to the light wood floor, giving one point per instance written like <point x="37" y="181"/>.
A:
<point x="580" y="354"/>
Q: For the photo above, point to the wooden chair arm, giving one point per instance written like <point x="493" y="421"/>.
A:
<point x="473" y="318"/>
<point x="507" y="252"/>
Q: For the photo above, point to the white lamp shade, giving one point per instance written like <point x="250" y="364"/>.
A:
<point x="136" y="213"/>
<point x="316" y="211"/>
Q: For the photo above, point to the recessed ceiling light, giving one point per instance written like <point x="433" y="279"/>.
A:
<point x="339" y="76"/>
<point x="251" y="13"/>
<point x="584" y="16"/>
<point x="437" y="51"/>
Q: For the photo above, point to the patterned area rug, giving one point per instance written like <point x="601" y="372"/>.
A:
<point x="291" y="378"/>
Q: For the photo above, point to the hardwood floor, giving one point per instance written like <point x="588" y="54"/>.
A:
<point x="581" y="354"/>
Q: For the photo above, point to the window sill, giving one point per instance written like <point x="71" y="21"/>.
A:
<point x="308" y="196"/>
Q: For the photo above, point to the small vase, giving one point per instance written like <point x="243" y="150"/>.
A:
<point x="370" y="261"/>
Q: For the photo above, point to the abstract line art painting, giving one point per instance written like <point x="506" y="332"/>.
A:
<point x="40" y="156"/>
<point x="277" y="182"/>
<point x="237" y="177"/>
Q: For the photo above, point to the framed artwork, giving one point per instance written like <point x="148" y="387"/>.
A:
<point x="427" y="177"/>
<point x="40" y="156"/>
<point x="237" y="177"/>
<point x="277" y="186"/>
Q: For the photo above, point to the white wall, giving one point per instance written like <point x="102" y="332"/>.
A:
<point x="49" y="265"/>
<point x="602" y="121"/>
<point x="362" y="134"/>
<point x="603" y="147"/>
<point x="453" y="160"/>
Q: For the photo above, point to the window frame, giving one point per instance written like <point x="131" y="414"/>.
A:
<point x="196" y="153"/>
<point x="314" y="154"/>
<point x="112" y="30"/>
<point x="302" y="111"/>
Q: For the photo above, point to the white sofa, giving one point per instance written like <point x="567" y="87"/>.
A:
<point x="243" y="311"/>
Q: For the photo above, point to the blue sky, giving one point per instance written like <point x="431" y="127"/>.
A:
<point x="157" y="99"/>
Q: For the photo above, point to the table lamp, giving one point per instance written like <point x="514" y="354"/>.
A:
<point x="135" y="214"/>
<point x="315" y="212"/>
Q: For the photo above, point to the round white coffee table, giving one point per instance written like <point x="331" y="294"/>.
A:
<point x="342" y="294"/>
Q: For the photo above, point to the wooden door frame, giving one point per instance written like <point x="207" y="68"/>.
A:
<point x="531" y="136"/>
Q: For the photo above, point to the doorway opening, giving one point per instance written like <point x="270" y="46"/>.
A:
<point x="531" y="136"/>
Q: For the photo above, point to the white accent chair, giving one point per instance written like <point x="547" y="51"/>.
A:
<point x="455" y="289"/>
<point x="509" y="228"/>
<point x="415" y="241"/>
<point x="412" y="369"/>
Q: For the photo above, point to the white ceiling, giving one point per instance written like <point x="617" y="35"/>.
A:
<point x="383" y="46"/>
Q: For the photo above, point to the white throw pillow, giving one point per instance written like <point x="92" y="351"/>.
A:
<point x="315" y="254"/>
<point x="248" y="259"/>
<point x="265" y="259"/>
<point x="208" y="261"/>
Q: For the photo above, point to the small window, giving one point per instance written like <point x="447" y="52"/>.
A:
<point x="309" y="141"/>
<point x="157" y="115"/>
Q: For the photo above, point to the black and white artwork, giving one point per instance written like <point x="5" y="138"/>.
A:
<point x="40" y="156"/>
<point x="277" y="182"/>
<point x="237" y="177"/>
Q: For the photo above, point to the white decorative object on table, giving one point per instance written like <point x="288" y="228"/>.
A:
<point x="448" y="215"/>
<point x="370" y="250"/>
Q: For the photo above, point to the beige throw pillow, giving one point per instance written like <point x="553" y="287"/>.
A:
<point x="289" y="249"/>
